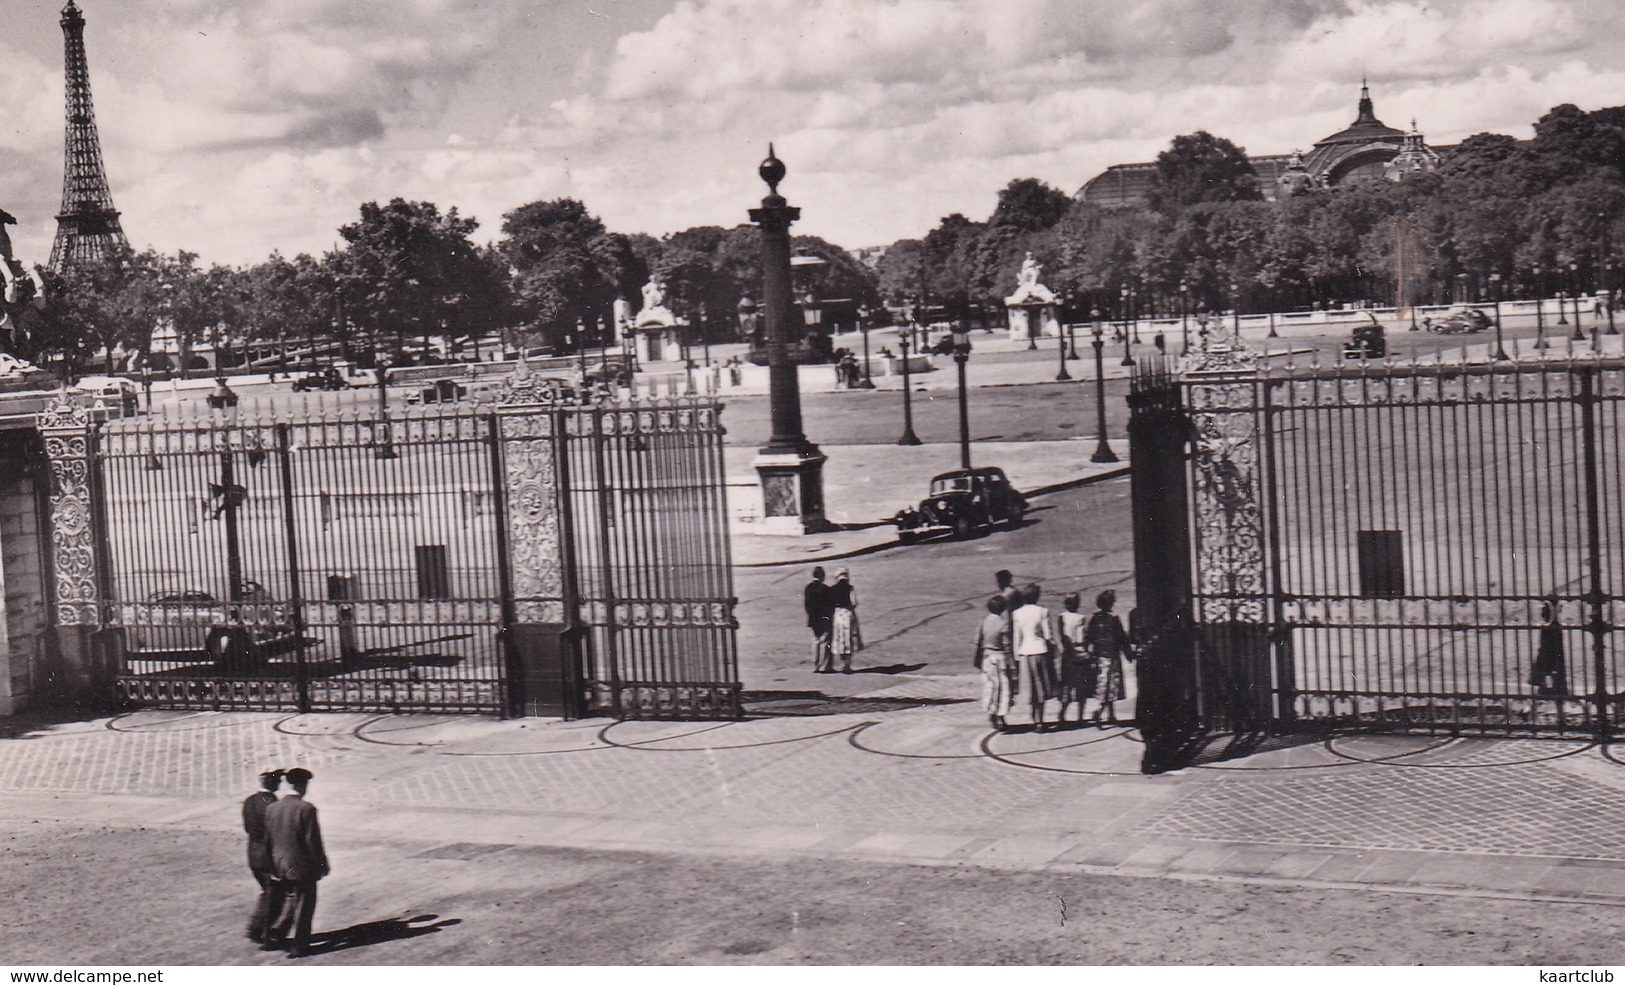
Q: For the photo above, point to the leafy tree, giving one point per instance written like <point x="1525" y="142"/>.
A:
<point x="900" y="271"/>
<point x="406" y="269"/>
<point x="567" y="267"/>
<point x="1028" y="205"/>
<point x="1199" y="167"/>
<point x="1568" y="142"/>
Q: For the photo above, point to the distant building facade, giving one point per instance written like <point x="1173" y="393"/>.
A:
<point x="1366" y="148"/>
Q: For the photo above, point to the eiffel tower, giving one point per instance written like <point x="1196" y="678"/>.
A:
<point x="87" y="228"/>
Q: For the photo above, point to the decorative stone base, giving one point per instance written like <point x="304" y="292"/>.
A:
<point x="792" y="494"/>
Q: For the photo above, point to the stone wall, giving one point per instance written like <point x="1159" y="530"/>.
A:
<point x="22" y="571"/>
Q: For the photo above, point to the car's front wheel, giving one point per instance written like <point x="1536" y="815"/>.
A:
<point x="964" y="526"/>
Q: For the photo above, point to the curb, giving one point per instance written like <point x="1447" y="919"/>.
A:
<point x="840" y="555"/>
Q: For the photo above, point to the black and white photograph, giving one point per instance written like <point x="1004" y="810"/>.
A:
<point x="934" y="484"/>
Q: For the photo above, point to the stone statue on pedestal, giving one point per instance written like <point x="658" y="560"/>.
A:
<point x="22" y="299"/>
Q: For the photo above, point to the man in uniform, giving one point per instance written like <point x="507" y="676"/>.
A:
<point x="299" y="860"/>
<point x="259" y="852"/>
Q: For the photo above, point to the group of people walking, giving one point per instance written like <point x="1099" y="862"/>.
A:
<point x="832" y="615"/>
<point x="286" y="856"/>
<point x="1028" y="657"/>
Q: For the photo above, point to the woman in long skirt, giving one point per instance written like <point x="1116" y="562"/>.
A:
<point x="993" y="660"/>
<point x="1078" y="671"/>
<point x="1032" y="639"/>
<point x="845" y="638"/>
<point x="1109" y="644"/>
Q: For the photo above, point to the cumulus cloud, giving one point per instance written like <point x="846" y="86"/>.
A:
<point x="234" y="127"/>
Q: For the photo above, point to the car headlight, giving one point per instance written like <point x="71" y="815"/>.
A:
<point x="942" y="504"/>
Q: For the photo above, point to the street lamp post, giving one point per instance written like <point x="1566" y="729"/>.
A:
<point x="386" y="447"/>
<point x="705" y="334"/>
<point x="1103" y="451"/>
<point x="1128" y="355"/>
<point x="961" y="357"/>
<point x="1574" y="300"/>
<point x="909" y="437"/>
<point x="1540" y="309"/>
<point x="863" y="326"/>
<point x="1185" y="318"/>
<point x="1235" y="308"/>
<point x="1495" y="296"/>
<point x="1607" y="271"/>
<point x="1069" y="314"/>
<point x="226" y="647"/>
<point x="1608" y="294"/>
<point x="1060" y="351"/>
<point x="146" y="384"/>
<point x="1122" y="309"/>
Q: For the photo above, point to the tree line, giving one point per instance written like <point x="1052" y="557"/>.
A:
<point x="1498" y="217"/>
<point x="405" y="277"/>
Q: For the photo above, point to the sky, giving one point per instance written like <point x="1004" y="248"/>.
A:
<point x="235" y="128"/>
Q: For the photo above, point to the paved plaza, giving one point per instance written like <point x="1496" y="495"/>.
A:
<point x="885" y="773"/>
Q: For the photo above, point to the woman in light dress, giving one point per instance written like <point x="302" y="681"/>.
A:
<point x="845" y="637"/>
<point x="1032" y="640"/>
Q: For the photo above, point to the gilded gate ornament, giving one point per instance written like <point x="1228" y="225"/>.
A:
<point x="1223" y="380"/>
<point x="65" y="424"/>
<point x="530" y="477"/>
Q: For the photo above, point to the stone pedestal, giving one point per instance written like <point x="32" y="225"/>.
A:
<point x="659" y="342"/>
<point x="792" y="493"/>
<point x="1032" y="308"/>
<point x="1032" y="320"/>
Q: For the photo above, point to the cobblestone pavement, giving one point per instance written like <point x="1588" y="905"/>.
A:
<point x="905" y="772"/>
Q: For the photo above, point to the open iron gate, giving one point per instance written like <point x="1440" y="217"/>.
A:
<point x="1432" y="547"/>
<point x="527" y="557"/>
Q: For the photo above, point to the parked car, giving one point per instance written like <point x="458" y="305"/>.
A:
<point x="189" y="624"/>
<point x="327" y="379"/>
<point x="963" y="501"/>
<point x="1465" y="320"/>
<point x="1366" y="342"/>
<point x="613" y="369"/>
<point x="112" y="391"/>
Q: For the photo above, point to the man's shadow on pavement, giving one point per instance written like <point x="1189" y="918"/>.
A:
<point x="888" y="669"/>
<point x="377" y="932"/>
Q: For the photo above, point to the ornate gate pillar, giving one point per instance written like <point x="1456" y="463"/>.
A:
<point x="1231" y="610"/>
<point x="85" y="667"/>
<point x="543" y="671"/>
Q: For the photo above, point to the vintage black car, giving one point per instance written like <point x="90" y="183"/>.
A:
<point x="612" y="369"/>
<point x="1366" y="342"/>
<point x="1464" y="320"/>
<point x="963" y="501"/>
<point x="328" y="379"/>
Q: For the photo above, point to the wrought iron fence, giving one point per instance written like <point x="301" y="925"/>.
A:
<point x="321" y="560"/>
<point x="1426" y="546"/>
<point x="322" y="554"/>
